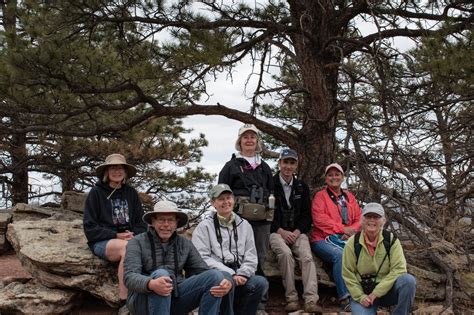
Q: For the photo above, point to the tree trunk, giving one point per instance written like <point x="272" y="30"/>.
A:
<point x="19" y="167"/>
<point x="18" y="151"/>
<point x="317" y="138"/>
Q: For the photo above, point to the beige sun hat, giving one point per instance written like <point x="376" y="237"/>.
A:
<point x="244" y="129"/>
<point x="166" y="207"/>
<point x="115" y="159"/>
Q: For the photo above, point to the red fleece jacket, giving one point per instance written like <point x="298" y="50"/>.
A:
<point x="327" y="218"/>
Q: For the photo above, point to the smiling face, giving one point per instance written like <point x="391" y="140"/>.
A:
<point x="334" y="178"/>
<point x="372" y="223"/>
<point x="224" y="204"/>
<point x="287" y="168"/>
<point x="248" y="142"/>
<point x="165" y="224"/>
<point x="116" y="174"/>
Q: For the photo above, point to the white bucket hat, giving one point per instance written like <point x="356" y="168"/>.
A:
<point x="244" y="129"/>
<point x="115" y="159"/>
<point x="166" y="207"/>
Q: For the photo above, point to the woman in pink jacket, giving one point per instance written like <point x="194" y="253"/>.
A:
<point x="336" y="216"/>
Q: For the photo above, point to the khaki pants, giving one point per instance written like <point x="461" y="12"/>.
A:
<point x="301" y="251"/>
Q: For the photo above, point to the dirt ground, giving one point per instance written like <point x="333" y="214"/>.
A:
<point x="11" y="268"/>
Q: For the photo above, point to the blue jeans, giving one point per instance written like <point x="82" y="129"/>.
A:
<point x="193" y="292"/>
<point x="401" y="295"/>
<point x="333" y="255"/>
<point x="248" y="296"/>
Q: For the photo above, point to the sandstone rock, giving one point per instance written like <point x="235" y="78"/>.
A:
<point x="56" y="254"/>
<point x="432" y="310"/>
<point x="34" y="298"/>
<point x="51" y="245"/>
<point x="5" y="219"/>
<point x="23" y="212"/>
<point x="73" y="201"/>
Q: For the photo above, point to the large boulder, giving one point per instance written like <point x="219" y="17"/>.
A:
<point x="26" y="212"/>
<point x="51" y="245"/>
<point x="33" y="298"/>
<point x="73" y="201"/>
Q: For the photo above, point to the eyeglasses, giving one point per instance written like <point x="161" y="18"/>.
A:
<point x="166" y="220"/>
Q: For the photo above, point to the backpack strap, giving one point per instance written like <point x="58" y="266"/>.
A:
<point x="334" y="197"/>
<point x="357" y="246"/>
<point x="387" y="243"/>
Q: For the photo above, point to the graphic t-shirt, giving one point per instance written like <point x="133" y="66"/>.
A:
<point x="120" y="212"/>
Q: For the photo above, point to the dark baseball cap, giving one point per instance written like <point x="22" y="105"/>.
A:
<point x="288" y="154"/>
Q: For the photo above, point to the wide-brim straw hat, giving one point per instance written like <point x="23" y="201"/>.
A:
<point x="166" y="207"/>
<point x="244" y="129"/>
<point x="115" y="159"/>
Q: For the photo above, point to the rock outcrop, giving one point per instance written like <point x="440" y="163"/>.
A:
<point x="73" y="201"/>
<point x="56" y="254"/>
<point x="33" y="298"/>
<point x="51" y="245"/>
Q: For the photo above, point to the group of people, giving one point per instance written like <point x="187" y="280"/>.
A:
<point x="221" y="269"/>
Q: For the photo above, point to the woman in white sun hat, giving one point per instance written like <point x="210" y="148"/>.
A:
<point x="113" y="213"/>
<point x="251" y="181"/>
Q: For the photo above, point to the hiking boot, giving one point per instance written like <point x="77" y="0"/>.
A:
<point x="312" y="307"/>
<point x="292" y="306"/>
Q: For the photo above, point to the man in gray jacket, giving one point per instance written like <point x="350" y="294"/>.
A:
<point x="225" y="242"/>
<point x="154" y="264"/>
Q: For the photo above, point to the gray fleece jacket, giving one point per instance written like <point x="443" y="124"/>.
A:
<point x="215" y="255"/>
<point x="138" y="264"/>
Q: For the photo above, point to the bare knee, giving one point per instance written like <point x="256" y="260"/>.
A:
<point x="115" y="250"/>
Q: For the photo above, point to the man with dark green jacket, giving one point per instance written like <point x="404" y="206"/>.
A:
<point x="154" y="265"/>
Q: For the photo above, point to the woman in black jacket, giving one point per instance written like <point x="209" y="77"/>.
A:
<point x="251" y="180"/>
<point x="112" y="214"/>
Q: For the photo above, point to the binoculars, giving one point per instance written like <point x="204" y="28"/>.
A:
<point x="256" y="195"/>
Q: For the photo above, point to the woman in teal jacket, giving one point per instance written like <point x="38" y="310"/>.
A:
<point x="374" y="267"/>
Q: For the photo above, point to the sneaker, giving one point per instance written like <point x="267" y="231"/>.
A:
<point x="292" y="306"/>
<point x="345" y="305"/>
<point x="312" y="307"/>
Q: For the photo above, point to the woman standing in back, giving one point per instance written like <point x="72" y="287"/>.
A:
<point x="251" y="181"/>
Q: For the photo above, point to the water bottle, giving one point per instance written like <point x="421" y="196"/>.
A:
<point x="271" y="201"/>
